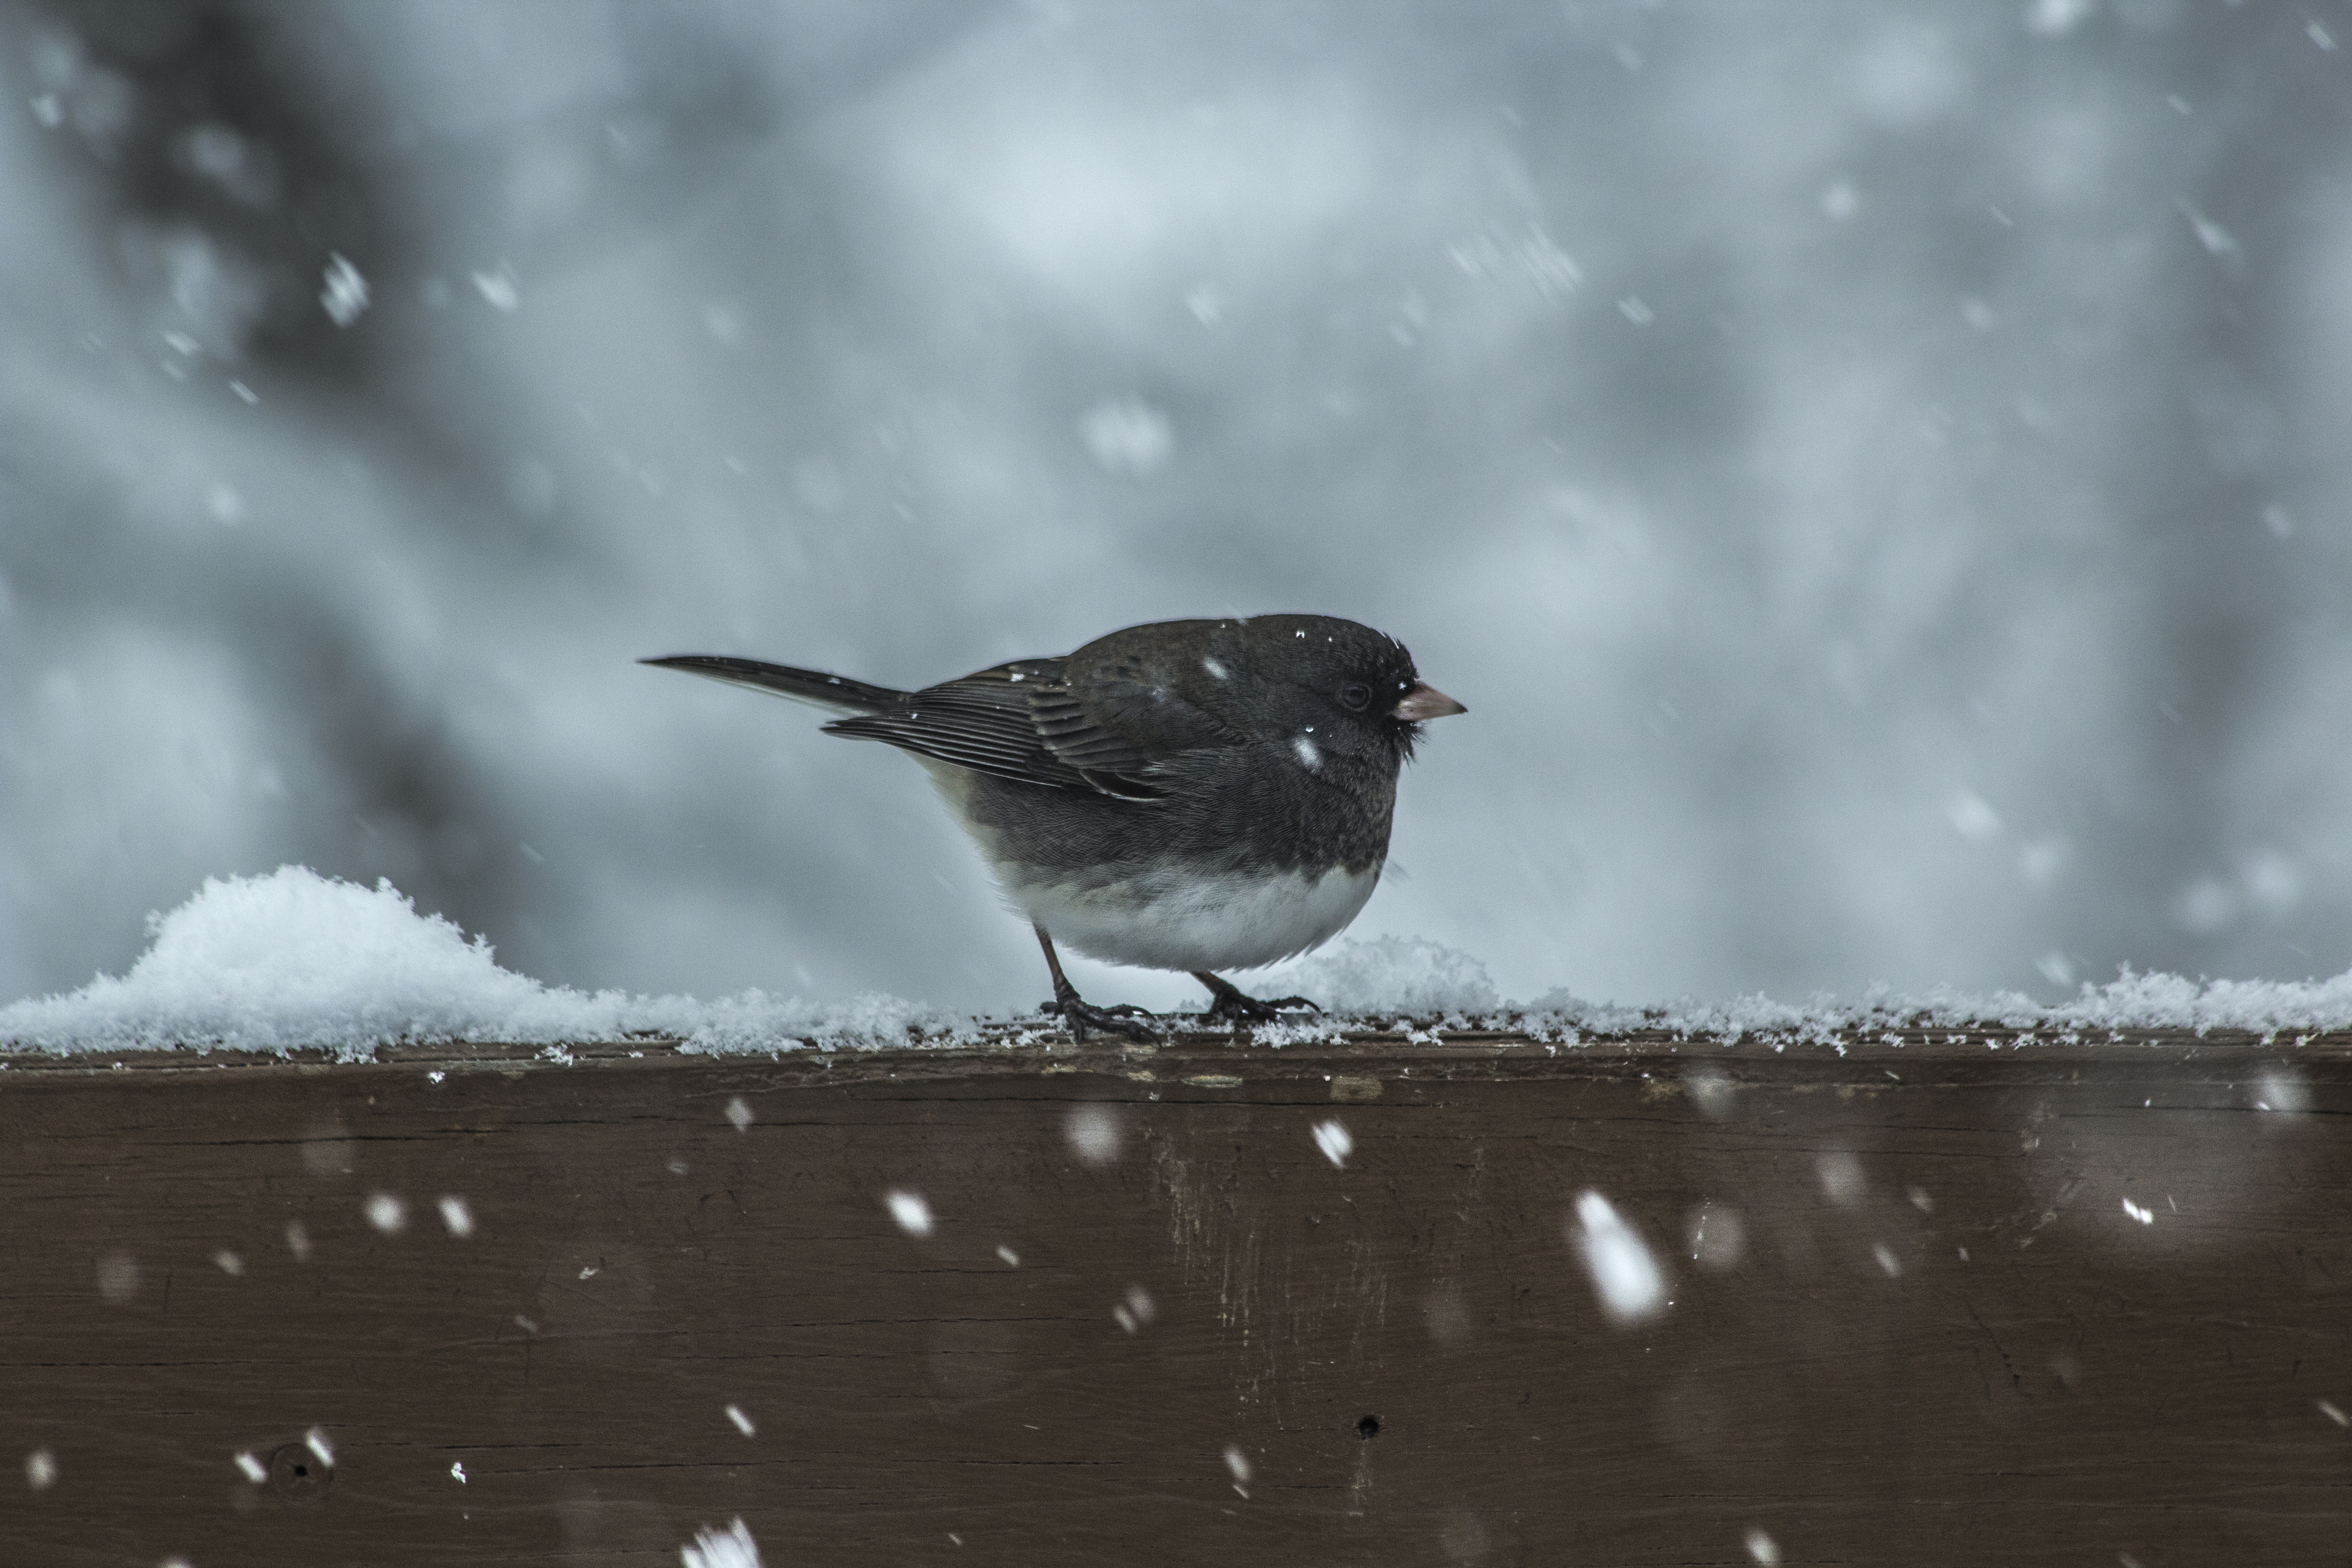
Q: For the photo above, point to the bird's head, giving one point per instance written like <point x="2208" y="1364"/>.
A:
<point x="1337" y="687"/>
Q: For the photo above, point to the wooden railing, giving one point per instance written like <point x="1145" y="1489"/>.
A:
<point x="1937" y="1298"/>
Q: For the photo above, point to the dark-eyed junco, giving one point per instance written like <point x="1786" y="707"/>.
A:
<point x="1188" y="794"/>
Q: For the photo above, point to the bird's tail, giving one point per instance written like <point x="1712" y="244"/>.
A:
<point x="813" y="686"/>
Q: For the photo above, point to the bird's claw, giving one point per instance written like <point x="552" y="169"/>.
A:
<point x="1236" y="1007"/>
<point x="1119" y="1018"/>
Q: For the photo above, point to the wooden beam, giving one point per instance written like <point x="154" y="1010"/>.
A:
<point x="1949" y="1299"/>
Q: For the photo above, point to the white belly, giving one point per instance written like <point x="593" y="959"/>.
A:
<point x="1165" y="922"/>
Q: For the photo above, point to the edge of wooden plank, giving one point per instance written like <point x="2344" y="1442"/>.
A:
<point x="1203" y="1057"/>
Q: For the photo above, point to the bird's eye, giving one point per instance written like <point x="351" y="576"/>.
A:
<point x="1355" y="697"/>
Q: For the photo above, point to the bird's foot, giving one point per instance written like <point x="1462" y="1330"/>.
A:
<point x="1233" y="1005"/>
<point x="1083" y="1017"/>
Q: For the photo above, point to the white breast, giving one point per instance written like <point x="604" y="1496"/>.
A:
<point x="1165" y="921"/>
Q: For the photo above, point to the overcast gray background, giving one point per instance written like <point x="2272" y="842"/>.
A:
<point x="1876" y="473"/>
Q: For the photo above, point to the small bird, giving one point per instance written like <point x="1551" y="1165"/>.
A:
<point x="1193" y="795"/>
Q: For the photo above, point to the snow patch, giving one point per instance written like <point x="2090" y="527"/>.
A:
<point x="294" y="960"/>
<point x="1393" y="977"/>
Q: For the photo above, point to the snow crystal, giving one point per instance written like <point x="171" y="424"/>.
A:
<point x="316" y="1441"/>
<point x="249" y="1465"/>
<point x="1711" y="1089"/>
<point x="1762" y="1548"/>
<point x="1718" y="1235"/>
<point x="386" y="1213"/>
<point x="1335" y="1140"/>
<point x="458" y="1471"/>
<point x="229" y="1263"/>
<point x="2146" y="1216"/>
<point x="345" y="294"/>
<point x="1624" y="1275"/>
<point x="742" y="1422"/>
<point x="1128" y="436"/>
<point x="2335" y="1413"/>
<point x="1137" y="1310"/>
<point x="40" y="1470"/>
<point x="118" y="1276"/>
<point x="738" y="1114"/>
<point x="501" y="290"/>
<point x="1840" y="1175"/>
<point x="913" y="1215"/>
<point x="458" y="1215"/>
<point x="1094" y="1132"/>
<point x="2282" y="1090"/>
<point x="730" y="1548"/>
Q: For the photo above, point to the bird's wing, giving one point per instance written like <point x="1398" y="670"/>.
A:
<point x="1108" y="726"/>
<point x="1129" y="705"/>
<point x="987" y="721"/>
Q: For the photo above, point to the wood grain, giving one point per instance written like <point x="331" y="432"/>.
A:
<point x="1920" y="1326"/>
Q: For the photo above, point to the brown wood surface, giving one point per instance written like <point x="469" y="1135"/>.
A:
<point x="1943" y="1340"/>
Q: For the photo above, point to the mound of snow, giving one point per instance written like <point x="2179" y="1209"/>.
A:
<point x="1392" y="977"/>
<point x="296" y="960"/>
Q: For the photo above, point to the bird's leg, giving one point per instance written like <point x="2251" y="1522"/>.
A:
<point x="1233" y="1006"/>
<point x="1081" y="1015"/>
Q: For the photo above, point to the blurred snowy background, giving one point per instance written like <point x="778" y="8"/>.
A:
<point x="1878" y="474"/>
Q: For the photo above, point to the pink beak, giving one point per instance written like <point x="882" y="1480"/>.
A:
<point x="1425" y="701"/>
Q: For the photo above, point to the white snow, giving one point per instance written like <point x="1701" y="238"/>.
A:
<point x="1094" y="1132"/>
<point x="913" y="1215"/>
<point x="742" y="1422"/>
<point x="295" y="961"/>
<point x="1624" y="1276"/>
<point x="344" y="291"/>
<point x="1335" y="1140"/>
<point x="1391" y="976"/>
<point x="730" y="1548"/>
<point x="1136" y="1310"/>
<point x="1841" y="1178"/>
